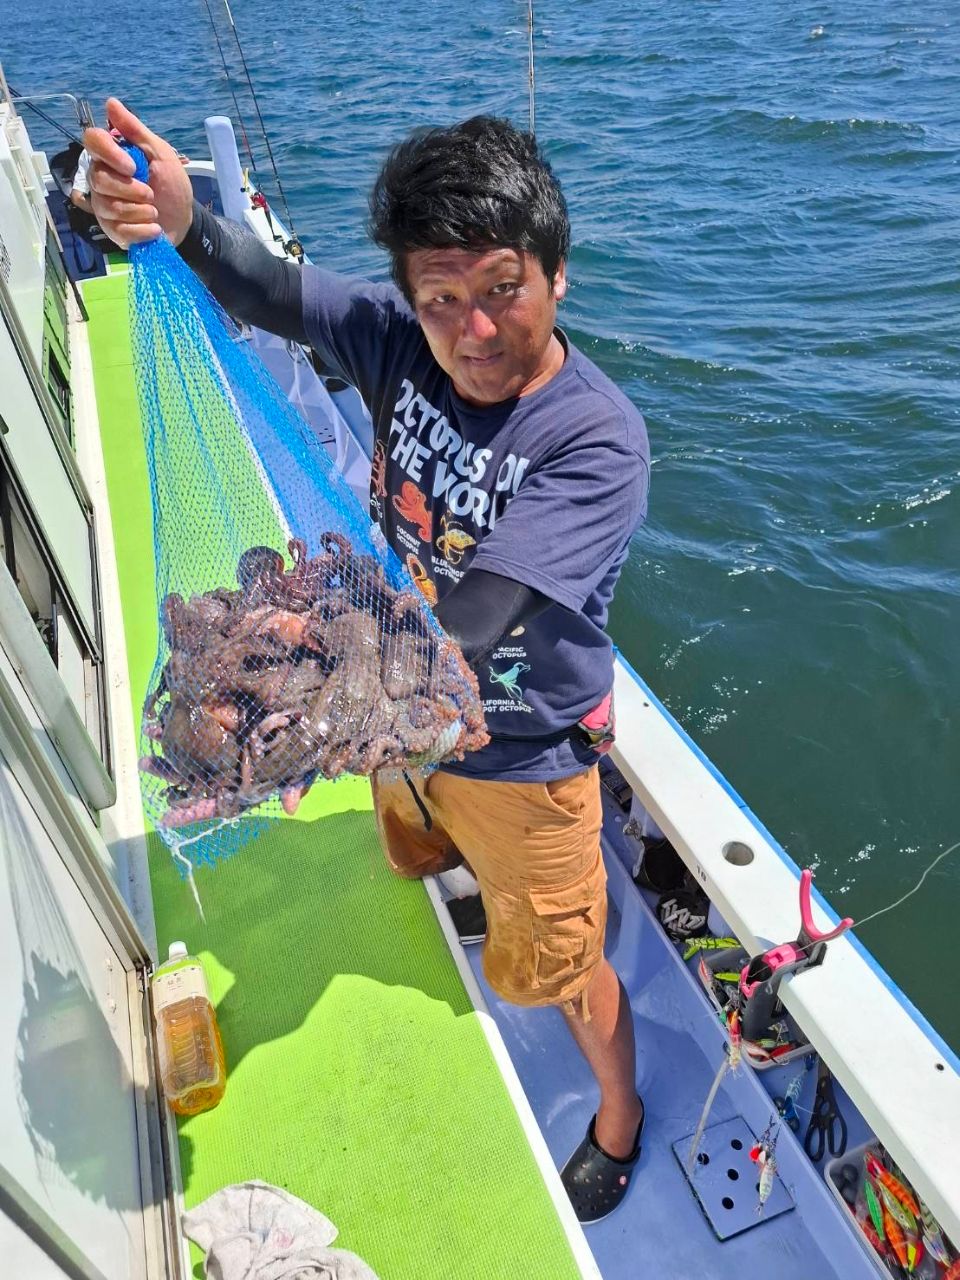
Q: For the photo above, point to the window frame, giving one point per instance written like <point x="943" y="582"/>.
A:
<point x="61" y="599"/>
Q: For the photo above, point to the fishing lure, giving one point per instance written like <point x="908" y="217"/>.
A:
<point x="787" y="1105"/>
<point x="905" y="1244"/>
<point x="953" y="1272"/>
<point x="706" y="977"/>
<point x="915" y="1252"/>
<point x="873" y="1207"/>
<point x="792" y="1091"/>
<point x="768" y="1173"/>
<point x="933" y="1237"/>
<point x="736" y="1041"/>
<point x="894" y="1233"/>
<point x="763" y="1153"/>
<point x="707" y="944"/>
<point x="896" y="1188"/>
<point x="877" y="1243"/>
<point x="903" y="1216"/>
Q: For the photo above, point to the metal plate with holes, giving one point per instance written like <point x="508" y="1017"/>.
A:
<point x="725" y="1180"/>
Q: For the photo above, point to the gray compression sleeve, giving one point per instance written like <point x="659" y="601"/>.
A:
<point x="244" y="276"/>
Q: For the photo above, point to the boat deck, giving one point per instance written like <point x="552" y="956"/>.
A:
<point x="661" y="1230"/>
<point x="360" y="1076"/>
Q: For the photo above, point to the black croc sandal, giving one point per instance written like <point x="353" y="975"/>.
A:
<point x="596" y="1182"/>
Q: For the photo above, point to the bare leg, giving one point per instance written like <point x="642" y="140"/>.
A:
<point x="606" y="1042"/>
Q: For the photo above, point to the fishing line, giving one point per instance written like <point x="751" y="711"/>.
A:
<point x="910" y="892"/>
<point x="25" y="102"/>
<point x="233" y="94"/>
<point x="531" y="68"/>
<point x="722" y="1070"/>
<point x="263" y="127"/>
<point x="882" y="911"/>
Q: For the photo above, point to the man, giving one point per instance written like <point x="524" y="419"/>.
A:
<point x="80" y="191"/>
<point x="511" y="474"/>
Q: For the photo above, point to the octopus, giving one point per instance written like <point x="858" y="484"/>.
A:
<point x="299" y="673"/>
<point x="454" y="541"/>
<point x="424" y="584"/>
<point x="411" y="503"/>
<point x="378" y="472"/>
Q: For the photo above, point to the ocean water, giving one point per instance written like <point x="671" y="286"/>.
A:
<point x="765" y="214"/>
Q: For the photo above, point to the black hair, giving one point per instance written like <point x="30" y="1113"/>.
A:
<point x="469" y="186"/>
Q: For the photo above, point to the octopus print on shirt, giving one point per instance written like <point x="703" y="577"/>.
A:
<point x="546" y="490"/>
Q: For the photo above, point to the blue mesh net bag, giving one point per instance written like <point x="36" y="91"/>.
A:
<point x="294" y="645"/>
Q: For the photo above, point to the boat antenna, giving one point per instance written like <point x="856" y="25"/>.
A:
<point x="294" y="244"/>
<point x="233" y="92"/>
<point x="531" y="68"/>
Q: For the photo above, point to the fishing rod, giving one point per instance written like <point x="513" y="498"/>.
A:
<point x="293" y="245"/>
<point x="233" y="93"/>
<point x="531" y="68"/>
<point x="28" y="101"/>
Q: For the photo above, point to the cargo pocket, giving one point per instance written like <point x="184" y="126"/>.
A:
<point x="567" y="935"/>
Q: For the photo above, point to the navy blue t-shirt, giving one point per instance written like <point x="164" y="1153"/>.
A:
<point x="545" y="489"/>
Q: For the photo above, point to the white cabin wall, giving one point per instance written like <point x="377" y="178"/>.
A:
<point x="67" y="1104"/>
<point x="40" y="469"/>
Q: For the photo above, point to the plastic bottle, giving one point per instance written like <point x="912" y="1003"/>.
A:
<point x="193" y="1073"/>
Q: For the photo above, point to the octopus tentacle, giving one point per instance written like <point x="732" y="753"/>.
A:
<point x="307" y="672"/>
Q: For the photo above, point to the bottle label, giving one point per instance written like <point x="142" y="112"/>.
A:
<point x="178" y="984"/>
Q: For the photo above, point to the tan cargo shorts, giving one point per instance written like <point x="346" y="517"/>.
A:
<point x="534" y="848"/>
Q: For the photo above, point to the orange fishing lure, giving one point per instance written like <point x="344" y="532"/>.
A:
<point x="894" y="1233"/>
<point x="893" y="1185"/>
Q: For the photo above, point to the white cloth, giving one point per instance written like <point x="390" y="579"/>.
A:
<point x="81" y="179"/>
<point x="252" y="1231"/>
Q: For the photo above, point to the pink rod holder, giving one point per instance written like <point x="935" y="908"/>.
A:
<point x="809" y="931"/>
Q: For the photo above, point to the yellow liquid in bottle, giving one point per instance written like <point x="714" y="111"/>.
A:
<point x="192" y="1067"/>
<point x="193" y="1072"/>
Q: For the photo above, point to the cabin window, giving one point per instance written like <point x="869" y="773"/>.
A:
<point x="76" y="654"/>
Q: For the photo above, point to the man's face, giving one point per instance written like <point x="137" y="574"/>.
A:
<point x="488" y="317"/>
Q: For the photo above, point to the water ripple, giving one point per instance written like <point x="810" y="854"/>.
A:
<point x="765" y="230"/>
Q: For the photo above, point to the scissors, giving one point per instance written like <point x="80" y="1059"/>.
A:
<point x="828" y="1129"/>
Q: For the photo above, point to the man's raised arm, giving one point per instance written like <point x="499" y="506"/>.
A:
<point x="247" y="280"/>
<point x="243" y="275"/>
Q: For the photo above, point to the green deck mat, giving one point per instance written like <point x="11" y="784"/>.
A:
<point x="359" y="1075"/>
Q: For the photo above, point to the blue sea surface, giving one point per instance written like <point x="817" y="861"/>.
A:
<point x="766" y="227"/>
